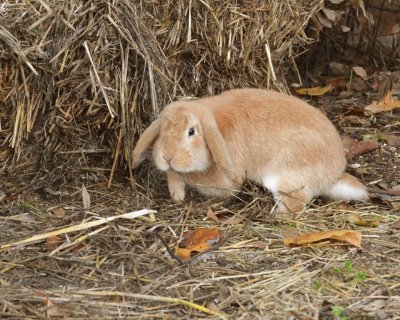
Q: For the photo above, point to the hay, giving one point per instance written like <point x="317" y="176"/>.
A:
<point x="80" y="79"/>
<point x="123" y="270"/>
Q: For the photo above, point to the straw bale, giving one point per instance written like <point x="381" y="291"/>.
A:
<point x="80" y="80"/>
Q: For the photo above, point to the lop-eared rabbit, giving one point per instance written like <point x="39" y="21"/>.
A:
<point x="272" y="139"/>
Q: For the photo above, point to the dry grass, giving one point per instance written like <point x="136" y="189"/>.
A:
<point x="122" y="269"/>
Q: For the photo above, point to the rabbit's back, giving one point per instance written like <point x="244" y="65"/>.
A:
<point x="270" y="133"/>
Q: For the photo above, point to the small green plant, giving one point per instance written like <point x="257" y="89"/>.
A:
<point x="339" y="312"/>
<point x="318" y="285"/>
<point x="348" y="265"/>
<point x="349" y="274"/>
<point x="337" y="270"/>
<point x="359" y="277"/>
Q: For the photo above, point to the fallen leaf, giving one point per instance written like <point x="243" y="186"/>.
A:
<point x="197" y="241"/>
<point x="353" y="147"/>
<point x="338" y="68"/>
<point x="336" y="1"/>
<point x="360" y="71"/>
<point x="396" y="188"/>
<point x="392" y="140"/>
<point x="376" y="107"/>
<point x="345" y="28"/>
<point x="360" y="221"/>
<point x="232" y="220"/>
<point x="316" y="91"/>
<point x="291" y="233"/>
<point x="349" y="236"/>
<point x="53" y="310"/>
<point x="337" y="82"/>
<point x="386" y="103"/>
<point x="58" y="212"/>
<point x="330" y="14"/>
<point x="323" y="20"/>
<point x="85" y="198"/>
<point x="258" y="244"/>
<point x="395" y="225"/>
<point x="385" y="86"/>
<point x="52" y="243"/>
<point x="358" y="84"/>
<point x="213" y="307"/>
<point x="346" y="206"/>
<point x="212" y="216"/>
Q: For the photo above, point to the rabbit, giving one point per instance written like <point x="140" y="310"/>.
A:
<point x="272" y="139"/>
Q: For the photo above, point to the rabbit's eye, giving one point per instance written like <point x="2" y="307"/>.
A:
<point x="191" y="132"/>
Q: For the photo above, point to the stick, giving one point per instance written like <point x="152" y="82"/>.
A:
<point x="82" y="226"/>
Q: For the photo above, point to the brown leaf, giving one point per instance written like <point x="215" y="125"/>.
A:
<point x="213" y="307"/>
<point x="58" y="212"/>
<point x="338" y="68"/>
<point x="199" y="240"/>
<point x="329" y="13"/>
<point x="358" y="84"/>
<point x="376" y="107"/>
<point x="232" y="220"/>
<point x="316" y="91"/>
<point x="392" y="140"/>
<point x="353" y="147"/>
<point x="345" y="28"/>
<point x="349" y="236"/>
<point x="346" y="206"/>
<point x="258" y="244"/>
<point x="212" y="216"/>
<point x="395" y="225"/>
<point x="360" y="71"/>
<point x="386" y="103"/>
<point x="323" y="20"/>
<point x="360" y="221"/>
<point x="53" y="310"/>
<point x="52" y="243"/>
<point x="337" y="82"/>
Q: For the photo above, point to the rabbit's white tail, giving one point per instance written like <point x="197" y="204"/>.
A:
<point x="348" y="187"/>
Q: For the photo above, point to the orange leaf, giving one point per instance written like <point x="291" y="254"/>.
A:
<point x="316" y="91"/>
<point x="52" y="243"/>
<point x="350" y="236"/>
<point x="199" y="240"/>
<point x="376" y="107"/>
<point x="354" y="147"/>
<point x="386" y="104"/>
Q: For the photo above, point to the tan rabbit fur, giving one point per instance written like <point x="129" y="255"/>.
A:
<point x="272" y="139"/>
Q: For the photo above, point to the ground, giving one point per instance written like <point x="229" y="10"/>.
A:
<point x="123" y="269"/>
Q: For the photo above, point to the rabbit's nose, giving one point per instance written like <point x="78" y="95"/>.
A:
<point x="167" y="160"/>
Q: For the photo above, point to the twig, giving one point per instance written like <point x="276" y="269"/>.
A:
<point x="381" y="191"/>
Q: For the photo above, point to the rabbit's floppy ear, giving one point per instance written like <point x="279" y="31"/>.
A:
<point x="216" y="143"/>
<point x="145" y="141"/>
